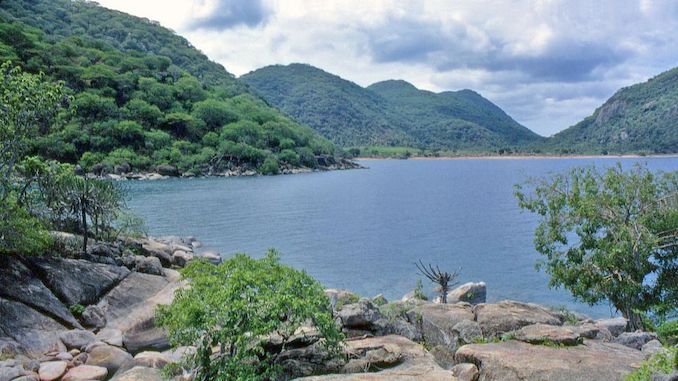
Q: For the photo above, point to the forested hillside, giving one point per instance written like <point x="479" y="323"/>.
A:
<point x="387" y="113"/>
<point x="640" y="118"/>
<point x="142" y="96"/>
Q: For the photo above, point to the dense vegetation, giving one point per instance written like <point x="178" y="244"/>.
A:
<point x="640" y="118"/>
<point x="391" y="113"/>
<point x="36" y="195"/>
<point x="241" y="314"/>
<point x="144" y="97"/>
<point x="610" y="237"/>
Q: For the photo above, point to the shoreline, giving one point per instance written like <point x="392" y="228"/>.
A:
<point x="521" y="157"/>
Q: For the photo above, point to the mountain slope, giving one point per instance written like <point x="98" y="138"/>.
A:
<point x="449" y="117"/>
<point x="639" y="118"/>
<point x="340" y="110"/>
<point x="144" y="97"/>
<point x="386" y="113"/>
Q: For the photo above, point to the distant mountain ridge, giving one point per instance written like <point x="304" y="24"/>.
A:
<point x="639" y="118"/>
<point x="387" y="113"/>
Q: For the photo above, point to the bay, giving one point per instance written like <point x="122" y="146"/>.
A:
<point x="363" y="230"/>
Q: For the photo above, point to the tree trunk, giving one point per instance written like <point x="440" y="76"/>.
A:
<point x="84" y="229"/>
<point x="634" y="318"/>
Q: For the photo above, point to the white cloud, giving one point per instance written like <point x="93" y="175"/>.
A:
<point x="547" y="63"/>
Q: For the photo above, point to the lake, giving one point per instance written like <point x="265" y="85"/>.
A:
<point x="363" y="230"/>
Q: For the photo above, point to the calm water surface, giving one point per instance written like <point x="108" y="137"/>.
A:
<point x="364" y="229"/>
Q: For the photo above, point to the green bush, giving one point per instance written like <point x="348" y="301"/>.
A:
<point x="668" y="332"/>
<point x="77" y="310"/>
<point x="664" y="362"/>
<point x="269" y="166"/>
<point x="231" y="310"/>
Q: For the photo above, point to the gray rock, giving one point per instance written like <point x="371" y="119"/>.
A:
<point x="437" y="321"/>
<point x="31" y="331"/>
<point x="139" y="373"/>
<point x="468" y="331"/>
<point x="341" y="297"/>
<point x="361" y="315"/>
<point x="109" y="357"/>
<point x="78" y="281"/>
<point x="152" y="359"/>
<point x="146" y="265"/>
<point x="110" y="336"/>
<point x="86" y="373"/>
<point x="21" y="284"/>
<point x="652" y="347"/>
<point x="548" y="334"/>
<point x="665" y="377"/>
<point x="93" y="316"/>
<point x="465" y="372"/>
<point x="159" y="250"/>
<point x="167" y="170"/>
<point x="149" y="339"/>
<point x="77" y="338"/>
<point x="517" y="361"/>
<point x="635" y="340"/>
<point x="615" y="325"/>
<point x="10" y="373"/>
<point x="211" y="256"/>
<point x="505" y="316"/>
<point x="474" y="293"/>
<point x="52" y="370"/>
<point x="181" y="258"/>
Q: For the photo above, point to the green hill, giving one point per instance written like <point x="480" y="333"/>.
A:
<point x="642" y="118"/>
<point x="389" y="113"/>
<point x="144" y="96"/>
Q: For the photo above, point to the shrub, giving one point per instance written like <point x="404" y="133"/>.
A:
<point x="668" y="332"/>
<point x="662" y="362"/>
<point x="269" y="166"/>
<point x="231" y="310"/>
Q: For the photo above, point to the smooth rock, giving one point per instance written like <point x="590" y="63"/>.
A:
<point x="28" y="331"/>
<point x="109" y="357"/>
<point x="150" y="359"/>
<point x="21" y="284"/>
<point x="414" y="363"/>
<point x="139" y="373"/>
<point x="437" y="321"/>
<point x="615" y="325"/>
<point x="635" y="340"/>
<point x="211" y="256"/>
<point x="93" y="316"/>
<point x="181" y="258"/>
<point x="468" y="331"/>
<point x="77" y="338"/>
<point x="473" y="293"/>
<point x="146" y="339"/>
<point x="52" y="370"/>
<point x="505" y="316"/>
<point x="465" y="372"/>
<point x="86" y="373"/>
<point x="518" y="361"/>
<point x="64" y="356"/>
<point x="159" y="250"/>
<point x="77" y="281"/>
<point x="547" y="334"/>
<point x="110" y="336"/>
<point x="361" y="315"/>
<point x="31" y="377"/>
<point x="341" y="297"/>
<point x="652" y="347"/>
<point x="10" y="373"/>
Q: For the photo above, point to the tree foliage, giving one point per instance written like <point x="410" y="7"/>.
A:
<point x="610" y="236"/>
<point x="230" y="312"/>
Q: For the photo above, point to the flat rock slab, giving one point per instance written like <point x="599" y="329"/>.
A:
<point x="20" y="284"/>
<point x="416" y="363"/>
<point x="549" y="334"/>
<point x="77" y="281"/>
<point x="518" y="361"/>
<point x="505" y="316"/>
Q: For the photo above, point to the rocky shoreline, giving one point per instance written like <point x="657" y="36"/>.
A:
<point x="91" y="317"/>
<point x="164" y="171"/>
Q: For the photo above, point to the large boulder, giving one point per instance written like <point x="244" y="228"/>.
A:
<point x="405" y="360"/>
<point x="505" y="316"/>
<point x="474" y="293"/>
<point x="52" y="370"/>
<point x="437" y="322"/>
<point x="548" y="334"/>
<point x="518" y="361"/>
<point x="151" y="359"/>
<point x="109" y="357"/>
<point x="77" y="281"/>
<point x="77" y="339"/>
<point x="20" y="283"/>
<point x="159" y="250"/>
<point x="86" y="373"/>
<point x="33" y="332"/>
<point x="140" y="373"/>
<point x="635" y="340"/>
<point x="146" y="338"/>
<point x="359" y="316"/>
<point x="614" y="325"/>
<point x="167" y="170"/>
<point x="338" y="297"/>
<point x="146" y="265"/>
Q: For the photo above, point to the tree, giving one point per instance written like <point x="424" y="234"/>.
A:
<point x="231" y="310"/>
<point x="444" y="280"/>
<point x="609" y="236"/>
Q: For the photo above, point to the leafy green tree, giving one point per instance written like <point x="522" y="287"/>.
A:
<point x="214" y="113"/>
<point x="230" y="312"/>
<point x="609" y="236"/>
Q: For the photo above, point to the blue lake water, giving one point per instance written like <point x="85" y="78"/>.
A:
<point x="364" y="229"/>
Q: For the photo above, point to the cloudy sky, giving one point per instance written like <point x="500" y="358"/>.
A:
<point x="547" y="63"/>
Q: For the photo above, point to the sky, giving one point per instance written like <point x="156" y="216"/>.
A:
<point x="547" y="63"/>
